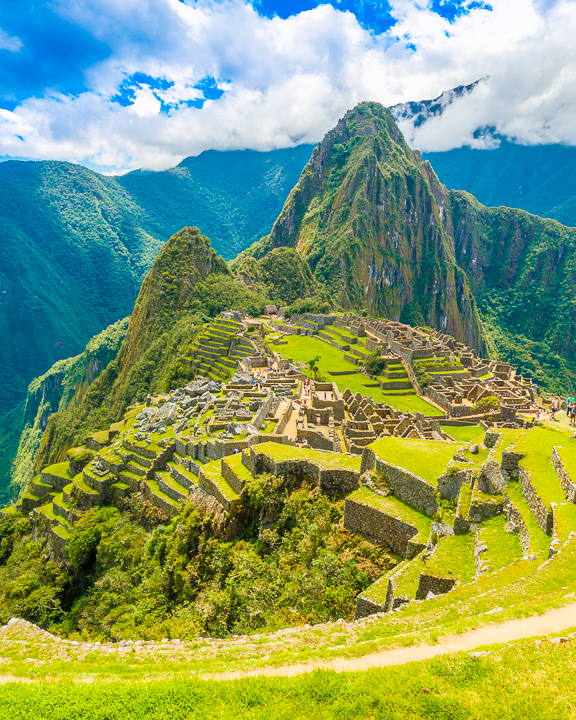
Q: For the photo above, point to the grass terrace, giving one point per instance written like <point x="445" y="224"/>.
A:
<point x="504" y="547"/>
<point x="327" y="460"/>
<point x="539" y="541"/>
<point x="453" y="557"/>
<point x="395" y="507"/>
<point x="426" y="458"/>
<point x="472" y="433"/>
<point x="304" y="349"/>
<point x="537" y="447"/>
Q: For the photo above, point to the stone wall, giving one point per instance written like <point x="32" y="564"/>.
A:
<point x="436" y="585"/>
<point x="516" y="524"/>
<point x="485" y="506"/>
<point x="315" y="439"/>
<point x="261" y="414"/>
<point x="368" y="520"/>
<point x="543" y="516"/>
<point x="329" y="480"/>
<point x="284" y="419"/>
<point x="366" y="607"/>
<point x="568" y="487"/>
<point x="414" y="490"/>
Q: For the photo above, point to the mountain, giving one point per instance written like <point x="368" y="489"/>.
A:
<point x="370" y="218"/>
<point x="538" y="178"/>
<point x="188" y="282"/>
<point x="76" y="245"/>
<point x="62" y="387"/>
<point x="381" y="232"/>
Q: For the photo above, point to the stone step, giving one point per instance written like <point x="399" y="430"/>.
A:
<point x="211" y="481"/>
<point x="158" y="498"/>
<point x="183" y="477"/>
<point x="171" y="487"/>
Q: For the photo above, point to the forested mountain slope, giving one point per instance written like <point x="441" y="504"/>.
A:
<point x="538" y="178"/>
<point x="76" y="245"/>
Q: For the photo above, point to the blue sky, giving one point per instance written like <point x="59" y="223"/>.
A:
<point x="119" y="84"/>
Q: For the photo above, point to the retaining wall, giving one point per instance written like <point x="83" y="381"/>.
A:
<point x="414" y="490"/>
<point x="543" y="515"/>
<point x="568" y="487"/>
<point x="368" y="520"/>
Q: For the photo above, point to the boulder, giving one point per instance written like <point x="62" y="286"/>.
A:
<point x="491" y="438"/>
<point x="475" y="449"/>
<point x="490" y="479"/>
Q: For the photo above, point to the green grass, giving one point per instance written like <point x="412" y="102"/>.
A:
<point x="426" y="458"/>
<point x="408" y="578"/>
<point x="396" y="508"/>
<point x="464" y="433"/>
<point x="235" y="462"/>
<point x="517" y="682"/>
<point x="465" y="500"/>
<point x="537" y="446"/>
<point x="503" y="547"/>
<point x="539" y="541"/>
<point x="61" y="470"/>
<point x="324" y="458"/>
<point x="564" y="520"/>
<point x="453" y="558"/>
<point x="212" y="471"/>
<point x="303" y="349"/>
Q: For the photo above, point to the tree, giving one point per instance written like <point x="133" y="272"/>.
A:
<point x="313" y="366"/>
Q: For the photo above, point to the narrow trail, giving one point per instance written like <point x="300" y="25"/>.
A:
<point x="553" y="621"/>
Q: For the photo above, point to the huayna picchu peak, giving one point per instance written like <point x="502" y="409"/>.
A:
<point x="355" y="437"/>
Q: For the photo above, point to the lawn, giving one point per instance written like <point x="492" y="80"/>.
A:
<point x="426" y="458"/>
<point x="324" y="458"/>
<point x="537" y="447"/>
<point x="503" y="547"/>
<point x="519" y="681"/>
<point x="453" y="557"/>
<point x="465" y="433"/>
<point x="303" y="349"/>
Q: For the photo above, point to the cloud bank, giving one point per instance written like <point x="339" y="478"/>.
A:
<point x="181" y="77"/>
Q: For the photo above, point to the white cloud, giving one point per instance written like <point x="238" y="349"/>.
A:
<point x="288" y="81"/>
<point x="7" y="42"/>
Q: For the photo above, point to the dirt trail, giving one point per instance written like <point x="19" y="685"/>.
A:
<point x="553" y="621"/>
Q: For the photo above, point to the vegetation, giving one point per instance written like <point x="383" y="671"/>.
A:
<point x="179" y="579"/>
<point x="424" y="458"/>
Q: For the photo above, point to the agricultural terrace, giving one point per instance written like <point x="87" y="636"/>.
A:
<point x="303" y="348"/>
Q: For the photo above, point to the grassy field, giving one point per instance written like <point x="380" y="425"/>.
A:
<point x="537" y="447"/>
<point x="304" y="348"/>
<point x="464" y="434"/>
<point x="521" y="681"/>
<point x="425" y="458"/>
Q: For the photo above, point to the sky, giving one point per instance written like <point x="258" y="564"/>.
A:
<point x="123" y="84"/>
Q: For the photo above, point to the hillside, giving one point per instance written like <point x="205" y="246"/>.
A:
<point x="540" y="178"/>
<point x="76" y="245"/>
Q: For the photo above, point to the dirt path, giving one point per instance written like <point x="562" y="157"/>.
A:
<point x="553" y="621"/>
